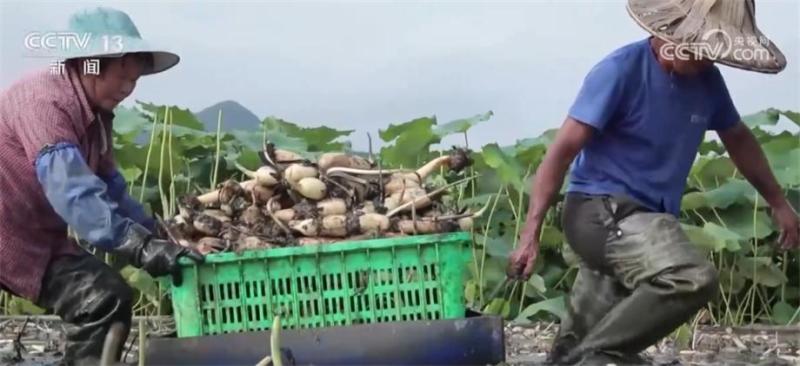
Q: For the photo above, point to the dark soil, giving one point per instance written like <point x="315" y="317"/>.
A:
<point x="42" y="343"/>
<point x="757" y="345"/>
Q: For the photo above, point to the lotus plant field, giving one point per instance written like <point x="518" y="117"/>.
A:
<point x="284" y="184"/>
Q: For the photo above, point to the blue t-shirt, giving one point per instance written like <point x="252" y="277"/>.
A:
<point x="648" y="125"/>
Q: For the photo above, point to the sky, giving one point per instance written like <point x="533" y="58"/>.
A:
<point x="363" y="65"/>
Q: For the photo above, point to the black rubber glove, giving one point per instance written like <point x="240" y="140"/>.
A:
<point x="156" y="256"/>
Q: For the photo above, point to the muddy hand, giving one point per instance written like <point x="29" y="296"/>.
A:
<point x="522" y="259"/>
<point x="789" y="223"/>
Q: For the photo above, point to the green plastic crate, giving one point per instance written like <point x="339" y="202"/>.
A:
<point x="368" y="281"/>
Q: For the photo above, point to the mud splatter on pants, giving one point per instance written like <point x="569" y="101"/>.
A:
<point x="639" y="279"/>
<point x="89" y="296"/>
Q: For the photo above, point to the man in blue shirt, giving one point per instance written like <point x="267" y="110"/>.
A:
<point x="630" y="139"/>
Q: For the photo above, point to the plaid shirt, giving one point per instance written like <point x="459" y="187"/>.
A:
<point x="40" y="110"/>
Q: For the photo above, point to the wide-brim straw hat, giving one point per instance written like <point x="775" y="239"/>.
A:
<point x="112" y="33"/>
<point x="723" y="31"/>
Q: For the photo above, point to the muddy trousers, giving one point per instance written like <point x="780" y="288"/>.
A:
<point x="89" y="296"/>
<point x="640" y="278"/>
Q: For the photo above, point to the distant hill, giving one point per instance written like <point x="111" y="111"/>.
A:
<point x="234" y="117"/>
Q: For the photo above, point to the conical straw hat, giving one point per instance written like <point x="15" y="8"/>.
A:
<point x="723" y="31"/>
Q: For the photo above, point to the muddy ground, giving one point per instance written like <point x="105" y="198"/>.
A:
<point x="758" y="345"/>
<point x="41" y="341"/>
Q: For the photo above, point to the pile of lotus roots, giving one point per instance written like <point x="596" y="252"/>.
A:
<point x="291" y="201"/>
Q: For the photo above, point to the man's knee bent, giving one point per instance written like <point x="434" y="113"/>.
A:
<point x="699" y="282"/>
<point x="707" y="280"/>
